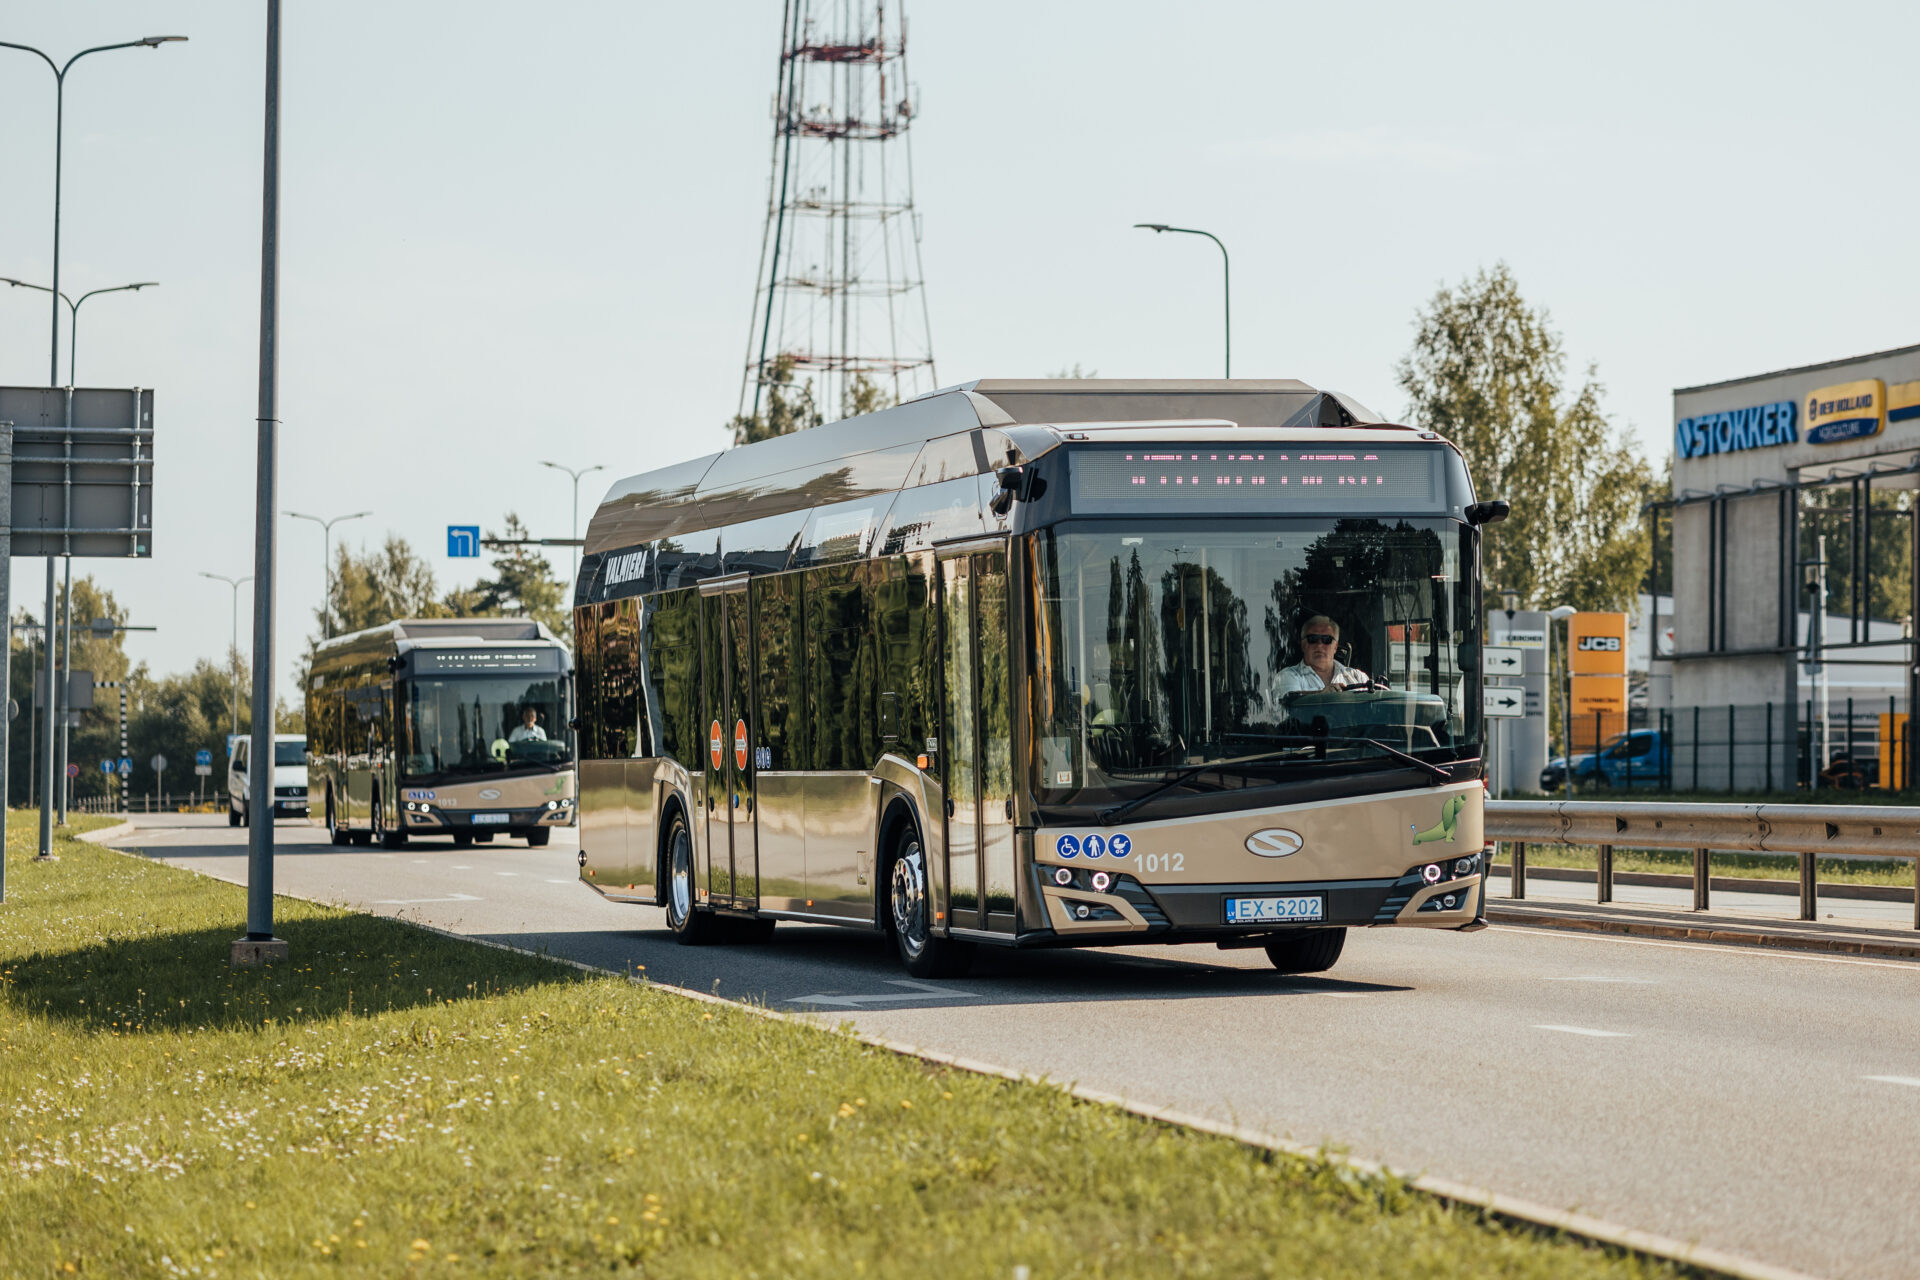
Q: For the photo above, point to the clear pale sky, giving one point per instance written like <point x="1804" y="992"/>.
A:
<point x="515" y="232"/>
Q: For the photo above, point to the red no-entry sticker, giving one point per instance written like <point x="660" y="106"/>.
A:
<point x="740" y="744"/>
<point x="716" y="745"/>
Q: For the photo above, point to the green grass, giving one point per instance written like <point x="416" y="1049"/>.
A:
<point x="1757" y="866"/>
<point x="395" y="1103"/>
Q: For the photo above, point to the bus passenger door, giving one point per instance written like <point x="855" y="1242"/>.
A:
<point x="732" y="856"/>
<point x="976" y="740"/>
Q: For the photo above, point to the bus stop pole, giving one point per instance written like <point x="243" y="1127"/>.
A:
<point x="260" y="946"/>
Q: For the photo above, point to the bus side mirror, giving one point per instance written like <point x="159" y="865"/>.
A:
<point x="1010" y="478"/>
<point x="1488" y="512"/>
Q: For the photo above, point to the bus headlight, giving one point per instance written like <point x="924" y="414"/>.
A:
<point x="553" y="804"/>
<point x="1463" y="867"/>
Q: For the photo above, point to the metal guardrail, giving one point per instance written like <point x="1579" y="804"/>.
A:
<point x="1807" y="831"/>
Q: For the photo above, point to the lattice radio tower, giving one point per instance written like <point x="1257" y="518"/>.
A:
<point x="841" y="297"/>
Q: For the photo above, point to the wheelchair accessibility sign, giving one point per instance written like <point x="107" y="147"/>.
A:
<point x="1094" y="845"/>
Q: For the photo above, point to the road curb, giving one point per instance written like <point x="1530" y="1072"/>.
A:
<point x="1775" y="940"/>
<point x="105" y="834"/>
<point x="1511" y="1210"/>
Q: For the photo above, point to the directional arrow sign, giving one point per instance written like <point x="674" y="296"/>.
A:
<point x="1505" y="704"/>
<point x="1503" y="661"/>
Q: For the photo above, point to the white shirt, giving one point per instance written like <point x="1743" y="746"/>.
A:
<point x="1301" y="678"/>
<point x="528" y="733"/>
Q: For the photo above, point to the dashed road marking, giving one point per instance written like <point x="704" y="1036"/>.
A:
<point x="1909" y="1081"/>
<point x="1601" y="977"/>
<point x="506" y="873"/>
<point x="413" y="902"/>
<point x="1581" y="1031"/>
<point x="916" y="991"/>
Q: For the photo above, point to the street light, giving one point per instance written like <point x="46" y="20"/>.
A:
<point x="1560" y="613"/>
<point x="234" y="656"/>
<point x="59" y="121"/>
<point x="73" y="313"/>
<point x="1226" y="275"/>
<point x="575" y="533"/>
<point x="326" y="563"/>
<point x="53" y="353"/>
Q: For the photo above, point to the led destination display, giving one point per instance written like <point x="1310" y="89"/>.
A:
<point x="448" y="661"/>
<point x="1321" y="480"/>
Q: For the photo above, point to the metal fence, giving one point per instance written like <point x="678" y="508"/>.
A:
<point x="1807" y="831"/>
<point x="1857" y="744"/>
<point x="164" y="802"/>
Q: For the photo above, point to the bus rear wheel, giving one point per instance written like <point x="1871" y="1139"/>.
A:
<point x="335" y="832"/>
<point x="910" y="912"/>
<point x="691" y="926"/>
<point x="1309" y="951"/>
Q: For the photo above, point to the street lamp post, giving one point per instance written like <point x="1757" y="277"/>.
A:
<point x="59" y="121"/>
<point x="66" y="650"/>
<point x="54" y="702"/>
<point x="234" y="654"/>
<point x="73" y="313"/>
<point x="575" y="531"/>
<point x="326" y="563"/>
<point x="1226" y="276"/>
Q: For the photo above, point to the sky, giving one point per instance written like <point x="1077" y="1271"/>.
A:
<point x="516" y="232"/>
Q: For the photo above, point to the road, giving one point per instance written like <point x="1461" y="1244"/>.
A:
<point x="1763" y="1104"/>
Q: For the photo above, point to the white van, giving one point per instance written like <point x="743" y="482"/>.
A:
<point x="289" y="778"/>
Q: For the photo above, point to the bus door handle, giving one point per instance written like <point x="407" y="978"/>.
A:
<point x="709" y="804"/>
<point x="949" y="808"/>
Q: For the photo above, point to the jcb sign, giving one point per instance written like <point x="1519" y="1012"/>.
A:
<point x="1599" y="644"/>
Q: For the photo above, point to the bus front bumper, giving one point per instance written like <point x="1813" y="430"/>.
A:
<point x="1126" y="909"/>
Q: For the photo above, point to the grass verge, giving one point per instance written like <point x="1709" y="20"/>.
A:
<point x="1758" y="866"/>
<point x="396" y="1103"/>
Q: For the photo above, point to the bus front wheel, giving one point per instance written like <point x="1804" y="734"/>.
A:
<point x="910" y="917"/>
<point x="690" y="925"/>
<point x="1309" y="951"/>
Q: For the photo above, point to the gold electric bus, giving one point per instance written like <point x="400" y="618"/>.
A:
<point x="1026" y="664"/>
<point x="456" y="727"/>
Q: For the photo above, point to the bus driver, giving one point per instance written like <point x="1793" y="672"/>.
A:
<point x="1318" y="669"/>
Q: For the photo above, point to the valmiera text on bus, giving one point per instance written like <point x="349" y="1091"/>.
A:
<point x="457" y="727"/>
<point x="1043" y="663"/>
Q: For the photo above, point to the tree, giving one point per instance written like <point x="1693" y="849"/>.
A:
<point x="523" y="586"/>
<point x="788" y="410"/>
<point x="1487" y="371"/>
<point x="373" y="588"/>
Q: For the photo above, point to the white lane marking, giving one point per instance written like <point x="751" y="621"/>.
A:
<point x="1580" y="1031"/>
<point x="461" y="868"/>
<point x="1738" y="953"/>
<point x="410" y="902"/>
<point x="1909" y="1081"/>
<point x="1600" y="977"/>
<point x="420" y="862"/>
<point x="919" y="991"/>
<point x="506" y="873"/>
<point x="563" y="882"/>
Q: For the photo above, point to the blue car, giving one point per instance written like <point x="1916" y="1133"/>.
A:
<point x="1636" y="759"/>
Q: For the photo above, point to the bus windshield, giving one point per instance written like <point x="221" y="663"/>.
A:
<point x="461" y="726"/>
<point x="1173" y="643"/>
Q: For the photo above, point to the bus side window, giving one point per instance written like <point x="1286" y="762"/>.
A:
<point x="841" y="676"/>
<point x="673" y="672"/>
<point x="781" y="695"/>
<point x="619" y="641"/>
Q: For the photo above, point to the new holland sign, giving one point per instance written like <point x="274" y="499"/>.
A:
<point x="1849" y="411"/>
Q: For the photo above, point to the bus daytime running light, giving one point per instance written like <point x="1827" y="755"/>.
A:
<point x="1100" y="881"/>
<point x="1062" y="875"/>
<point x="553" y="804"/>
<point x="1431" y="873"/>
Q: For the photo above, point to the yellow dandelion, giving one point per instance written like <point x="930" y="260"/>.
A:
<point x="650" y="1197"/>
<point x="947" y="1096"/>
<point x="906" y="1104"/>
<point x="420" y="1245"/>
<point x="453" y="1257"/>
<point x="612" y="1221"/>
<point x="800" y="1137"/>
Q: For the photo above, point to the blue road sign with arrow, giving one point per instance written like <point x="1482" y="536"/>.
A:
<point x="463" y="541"/>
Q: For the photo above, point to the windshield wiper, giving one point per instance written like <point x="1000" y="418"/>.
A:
<point x="1110" y="816"/>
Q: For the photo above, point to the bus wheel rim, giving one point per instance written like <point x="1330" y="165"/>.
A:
<point x="909" y="893"/>
<point x="682" y="877"/>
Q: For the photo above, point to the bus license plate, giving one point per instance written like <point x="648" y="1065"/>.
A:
<point x="480" y="818"/>
<point x="1276" y="910"/>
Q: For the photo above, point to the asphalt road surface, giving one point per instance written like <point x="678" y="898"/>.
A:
<point x="1764" y="1104"/>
